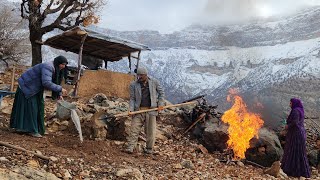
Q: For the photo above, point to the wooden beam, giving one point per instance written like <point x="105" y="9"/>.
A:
<point x="22" y="149"/>
<point x="12" y="77"/>
<point x="79" y="64"/>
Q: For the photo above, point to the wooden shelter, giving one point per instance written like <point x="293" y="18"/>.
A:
<point x="87" y="41"/>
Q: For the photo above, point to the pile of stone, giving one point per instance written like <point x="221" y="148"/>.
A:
<point x="95" y="122"/>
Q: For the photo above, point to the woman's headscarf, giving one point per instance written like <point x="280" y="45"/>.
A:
<point x="58" y="74"/>
<point x="297" y="104"/>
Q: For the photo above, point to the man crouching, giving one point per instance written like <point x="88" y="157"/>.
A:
<point x="145" y="93"/>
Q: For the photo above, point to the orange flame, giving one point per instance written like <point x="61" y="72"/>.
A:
<point x="243" y="125"/>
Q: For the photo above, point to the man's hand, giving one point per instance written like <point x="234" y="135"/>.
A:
<point x="160" y="109"/>
<point x="129" y="113"/>
<point x="60" y="98"/>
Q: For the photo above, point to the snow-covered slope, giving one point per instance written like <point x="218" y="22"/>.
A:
<point x="193" y="71"/>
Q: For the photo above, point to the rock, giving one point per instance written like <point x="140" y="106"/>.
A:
<point x="119" y="129"/>
<point x="66" y="174"/>
<point x="85" y="173"/>
<point x="54" y="127"/>
<point x="3" y="159"/>
<point x="25" y="173"/>
<point x="283" y="175"/>
<point x="239" y="163"/>
<point x="6" y="110"/>
<point x="271" y="151"/>
<point x="107" y="103"/>
<point x="215" y="137"/>
<point x="39" y="152"/>
<point x="177" y="166"/>
<point x="33" y="163"/>
<point x="160" y="135"/>
<point x="98" y="99"/>
<point x="52" y="158"/>
<point x="4" y="87"/>
<point x="202" y="149"/>
<point x="313" y="157"/>
<point x="217" y="161"/>
<point x="187" y="164"/>
<point x="95" y="128"/>
<point x="118" y="143"/>
<point x="130" y="173"/>
<point x="64" y="123"/>
<point x="274" y="170"/>
<point x="5" y="103"/>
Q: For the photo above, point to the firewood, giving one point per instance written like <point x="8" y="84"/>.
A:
<point x="25" y="150"/>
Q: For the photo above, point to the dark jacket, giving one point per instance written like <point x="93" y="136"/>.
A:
<point x="37" y="78"/>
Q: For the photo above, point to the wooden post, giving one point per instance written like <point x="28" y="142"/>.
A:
<point x="138" y="59"/>
<point x="129" y="57"/>
<point x="12" y="78"/>
<point x="106" y="64"/>
<point x="84" y="36"/>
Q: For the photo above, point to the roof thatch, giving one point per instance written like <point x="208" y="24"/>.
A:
<point x="96" y="44"/>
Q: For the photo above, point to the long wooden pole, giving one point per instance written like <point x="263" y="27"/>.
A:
<point x="12" y="77"/>
<point x="195" y="122"/>
<point x="155" y="109"/>
<point x="22" y="149"/>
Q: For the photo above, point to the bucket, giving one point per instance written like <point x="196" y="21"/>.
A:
<point x="64" y="110"/>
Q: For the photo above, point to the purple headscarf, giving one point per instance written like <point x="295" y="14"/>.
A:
<point x="297" y="104"/>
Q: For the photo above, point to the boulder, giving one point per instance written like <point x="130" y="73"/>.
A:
<point x="25" y="173"/>
<point x="313" y="157"/>
<point x="98" y="99"/>
<point x="265" y="150"/>
<point x="215" y="136"/>
<point x="95" y="128"/>
<point x="274" y="170"/>
<point x="129" y="173"/>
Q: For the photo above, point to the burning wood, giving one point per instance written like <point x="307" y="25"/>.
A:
<point x="243" y="125"/>
<point x="201" y="112"/>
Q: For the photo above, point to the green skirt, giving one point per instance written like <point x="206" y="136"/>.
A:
<point x="28" y="114"/>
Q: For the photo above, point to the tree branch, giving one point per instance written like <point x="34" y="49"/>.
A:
<point x="23" y="8"/>
<point x="4" y="60"/>
<point x="64" y="14"/>
<point x="52" y="11"/>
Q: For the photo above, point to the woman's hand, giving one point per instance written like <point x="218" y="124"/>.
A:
<point x="64" y="92"/>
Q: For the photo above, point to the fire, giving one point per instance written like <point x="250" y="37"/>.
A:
<point x="243" y="125"/>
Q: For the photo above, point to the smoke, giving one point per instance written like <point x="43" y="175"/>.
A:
<point x="240" y="11"/>
<point x="272" y="111"/>
<point x="174" y="15"/>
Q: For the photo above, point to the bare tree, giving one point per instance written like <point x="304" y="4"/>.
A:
<point x="13" y="37"/>
<point x="65" y="14"/>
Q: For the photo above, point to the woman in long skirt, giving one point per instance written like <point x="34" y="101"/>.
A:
<point x="294" y="161"/>
<point x="28" y="107"/>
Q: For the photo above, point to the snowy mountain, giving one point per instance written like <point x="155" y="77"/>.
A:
<point x="272" y="61"/>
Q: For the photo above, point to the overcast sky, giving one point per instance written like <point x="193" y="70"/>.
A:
<point x="167" y="16"/>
